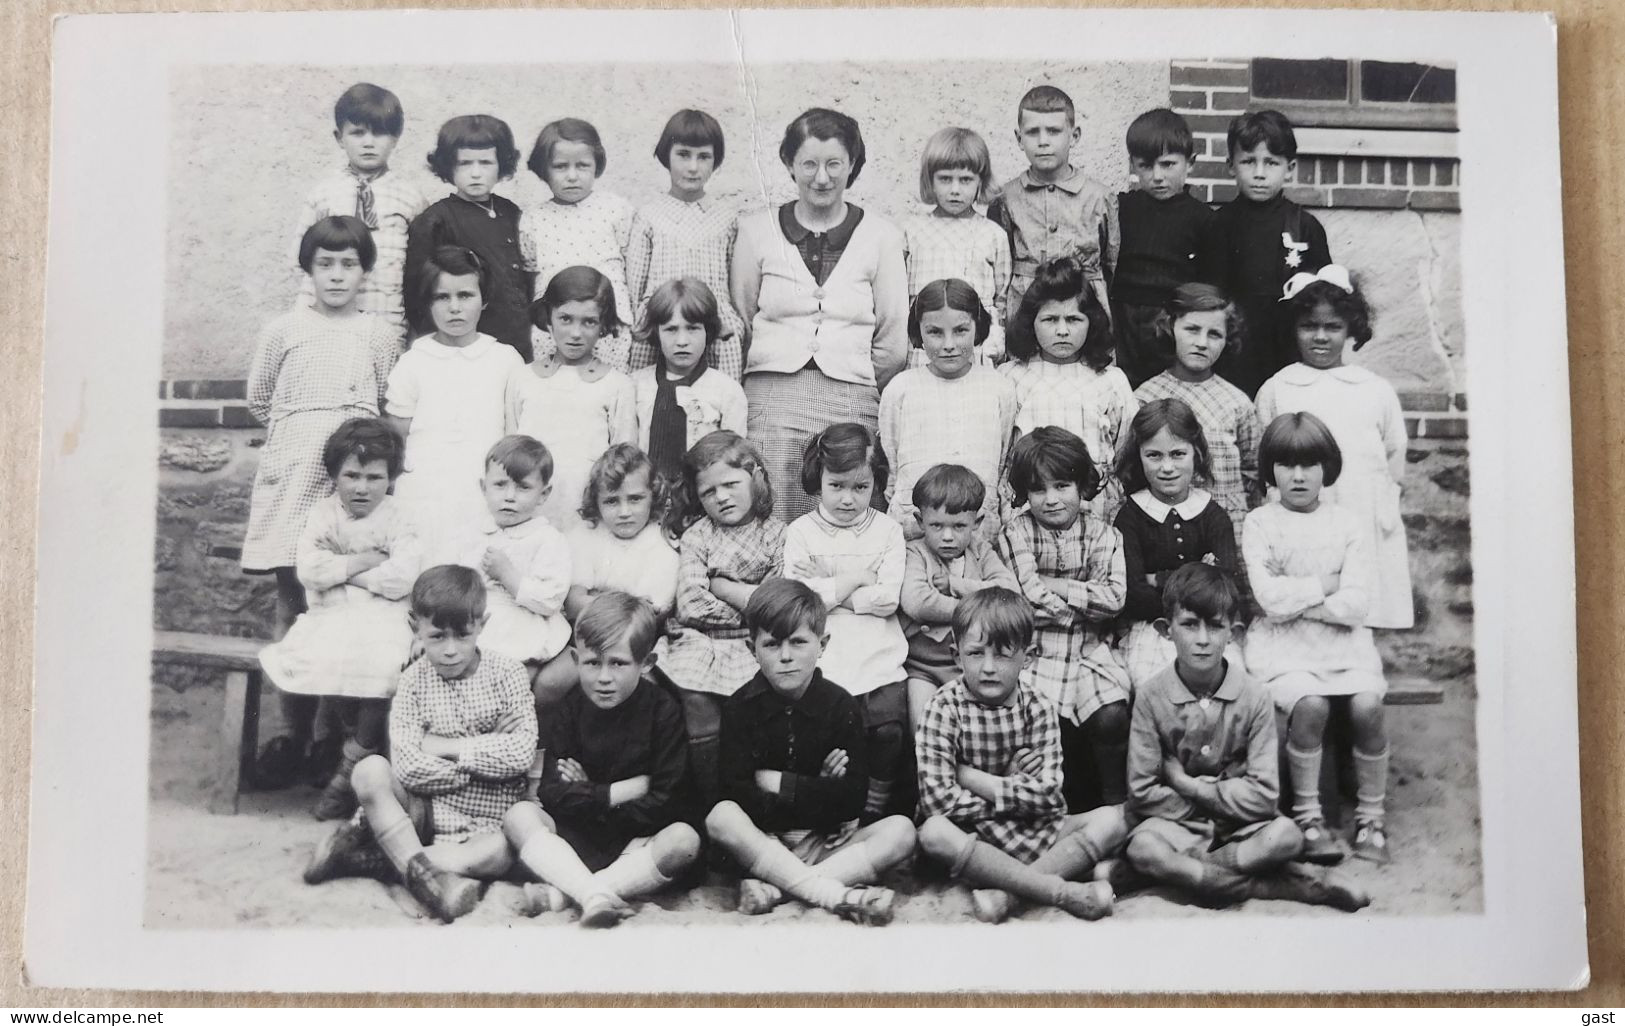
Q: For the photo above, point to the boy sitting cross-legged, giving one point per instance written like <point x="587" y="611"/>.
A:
<point x="794" y="773"/>
<point x="1202" y="771"/>
<point x="462" y="733"/>
<point x="989" y="754"/>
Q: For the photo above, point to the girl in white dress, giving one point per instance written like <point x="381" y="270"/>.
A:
<point x="620" y="546"/>
<point x="1310" y="569"/>
<point x="572" y="401"/>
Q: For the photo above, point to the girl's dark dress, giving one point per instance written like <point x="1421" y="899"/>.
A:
<point x="492" y="232"/>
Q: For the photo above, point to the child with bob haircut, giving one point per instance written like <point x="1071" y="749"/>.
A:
<point x="687" y="234"/>
<point x="1199" y="326"/>
<point x="989" y="754"/>
<point x="953" y="241"/>
<point x="473" y="153"/>
<point x="950" y="561"/>
<point x="1070" y="566"/>
<point x="1203" y="773"/>
<point x="357" y="559"/>
<point x="620" y="546"/>
<point x="580" y="225"/>
<point x="367" y="125"/>
<point x="680" y="399"/>
<point x="613" y="786"/>
<point x="951" y="410"/>
<point x="794" y="762"/>
<point x="853" y="557"/>
<point x="1258" y="240"/>
<point x="1311" y="571"/>
<point x="462" y="734"/>
<point x="1162" y="226"/>
<point x="1052" y="209"/>
<point x="1061" y="366"/>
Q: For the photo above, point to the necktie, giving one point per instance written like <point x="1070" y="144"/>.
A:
<point x="363" y="199"/>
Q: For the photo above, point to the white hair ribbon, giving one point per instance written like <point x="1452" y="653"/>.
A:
<point x="1331" y="274"/>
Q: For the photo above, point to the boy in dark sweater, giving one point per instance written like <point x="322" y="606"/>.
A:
<point x="794" y="773"/>
<point x="1161" y="225"/>
<point x="1256" y="242"/>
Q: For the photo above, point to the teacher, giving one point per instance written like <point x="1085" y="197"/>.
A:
<point x="822" y="291"/>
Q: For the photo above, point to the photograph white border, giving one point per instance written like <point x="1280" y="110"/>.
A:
<point x="102" y="363"/>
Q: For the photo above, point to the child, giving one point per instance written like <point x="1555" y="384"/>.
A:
<point x="1203" y="777"/>
<point x="524" y="563"/>
<point x="1061" y="352"/>
<point x="731" y="544"/>
<point x="445" y="397"/>
<point x="679" y="398"/>
<point x="687" y="234"/>
<point x="989" y="752"/>
<point x="1363" y="413"/>
<point x="1200" y="325"/>
<point x="853" y="557"/>
<point x="357" y="559"/>
<point x="1167" y="523"/>
<point x="1162" y="225"/>
<point x="1258" y="240"/>
<point x="794" y="762"/>
<point x="620" y="546"/>
<point x="950" y="410"/>
<point x="1312" y="574"/>
<point x="577" y="404"/>
<point x="1070" y="566"/>
<point x="614" y="781"/>
<point x="1052" y="209"/>
<point x="367" y="124"/>
<point x="462" y="734"/>
<point x="580" y="225"/>
<point x="950" y="561"/>
<point x="473" y="153"/>
<point x="953" y="241"/>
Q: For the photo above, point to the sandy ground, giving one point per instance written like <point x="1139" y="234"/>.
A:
<point x="208" y="871"/>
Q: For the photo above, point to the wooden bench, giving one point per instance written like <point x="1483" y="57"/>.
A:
<point x="239" y="658"/>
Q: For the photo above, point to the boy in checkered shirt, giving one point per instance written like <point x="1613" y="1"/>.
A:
<point x="462" y="734"/>
<point x="989" y="753"/>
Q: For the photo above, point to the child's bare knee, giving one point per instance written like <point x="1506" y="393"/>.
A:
<point x="725" y="821"/>
<point x="1308" y="719"/>
<point x="896" y="839"/>
<point x="1148" y="852"/>
<point x="941" y="839"/>
<point x="522" y="822"/>
<point x="372" y="776"/>
<point x="1367" y="717"/>
<point x="1282" y="838"/>
<point x="676" y="848"/>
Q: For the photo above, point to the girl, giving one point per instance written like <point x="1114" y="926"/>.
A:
<point x="580" y="225"/>
<point x="1061" y="366"/>
<point x="473" y="153"/>
<point x="358" y="556"/>
<point x="1166" y="523"/>
<point x="571" y="400"/>
<point x="954" y="241"/>
<point x="315" y="367"/>
<point x="950" y="410"/>
<point x="621" y="546"/>
<point x="853" y="557"/>
<point x="1312" y="573"/>
<point x="680" y="399"/>
<point x="1201" y="325"/>
<point x="687" y="234"/>
<point x="445" y="398"/>
<point x="1071" y="569"/>
<point x="733" y="544"/>
<point x="1363" y="413"/>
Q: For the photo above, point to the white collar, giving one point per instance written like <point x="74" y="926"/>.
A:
<point x="1303" y="374"/>
<point x="1158" y="510"/>
<point x="517" y="531"/>
<point x="430" y="346"/>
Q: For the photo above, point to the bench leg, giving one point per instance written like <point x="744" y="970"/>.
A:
<point x="239" y="740"/>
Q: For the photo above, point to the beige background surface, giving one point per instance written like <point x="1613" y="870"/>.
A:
<point x="1591" y="35"/>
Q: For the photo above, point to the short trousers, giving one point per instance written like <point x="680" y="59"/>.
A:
<point x="813" y="846"/>
<point x="885" y="704"/>
<point x="932" y="660"/>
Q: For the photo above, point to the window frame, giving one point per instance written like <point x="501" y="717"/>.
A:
<point x="1356" y="113"/>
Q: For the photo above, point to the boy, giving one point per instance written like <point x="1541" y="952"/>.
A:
<point x="525" y="563"/>
<point x="989" y="752"/>
<point x="1258" y="240"/>
<point x="1203" y="777"/>
<point x="368" y="121"/>
<point x="794" y="771"/>
<point x="1052" y="209"/>
<point x="462" y="733"/>
<point x="1162" y="225"/>
<point x="952" y="560"/>
<point x="614" y="779"/>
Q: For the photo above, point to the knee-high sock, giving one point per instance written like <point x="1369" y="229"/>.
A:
<point x="1303" y="766"/>
<point x="987" y="866"/>
<point x="551" y="858"/>
<point x="1370" y="785"/>
<point x="854" y="864"/>
<point x="1107" y="731"/>
<point x="396" y="835"/>
<point x="767" y="859"/>
<point x="632" y="874"/>
<point x="1076" y="853"/>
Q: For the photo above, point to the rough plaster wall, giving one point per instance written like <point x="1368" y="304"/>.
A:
<point x="247" y="142"/>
